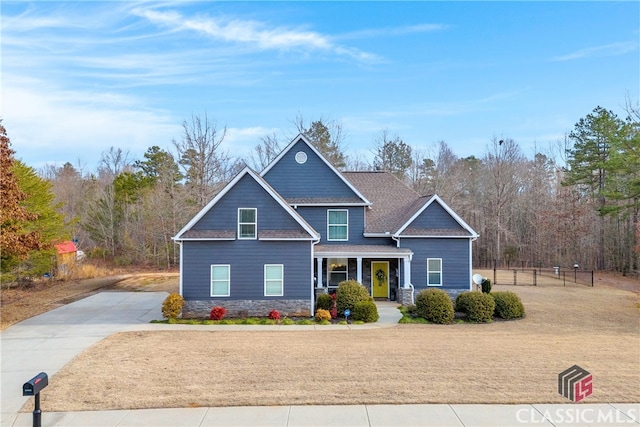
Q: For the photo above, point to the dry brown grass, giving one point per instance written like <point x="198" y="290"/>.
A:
<point x="501" y="362"/>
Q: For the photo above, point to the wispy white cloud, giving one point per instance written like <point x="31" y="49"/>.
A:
<point x="255" y="33"/>
<point x="57" y="125"/>
<point x="612" y="49"/>
<point x="393" y="31"/>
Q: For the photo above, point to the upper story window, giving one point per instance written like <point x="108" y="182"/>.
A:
<point x="247" y="223"/>
<point x="337" y="224"/>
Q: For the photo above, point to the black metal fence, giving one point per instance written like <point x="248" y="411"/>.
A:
<point x="542" y="277"/>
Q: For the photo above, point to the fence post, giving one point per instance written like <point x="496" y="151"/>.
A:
<point x="592" y="278"/>
<point x="564" y="278"/>
<point x="495" y="280"/>
<point x="515" y="277"/>
<point x="535" y="275"/>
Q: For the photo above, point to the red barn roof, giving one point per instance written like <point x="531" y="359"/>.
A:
<point x="67" y="247"/>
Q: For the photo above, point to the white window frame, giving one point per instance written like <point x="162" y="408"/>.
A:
<point x="329" y="225"/>
<point x="281" y="280"/>
<point x="434" y="271"/>
<point x="228" y="281"/>
<point x="254" y="223"/>
<point x="330" y="272"/>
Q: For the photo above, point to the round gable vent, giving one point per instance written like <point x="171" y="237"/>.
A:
<point x="301" y="157"/>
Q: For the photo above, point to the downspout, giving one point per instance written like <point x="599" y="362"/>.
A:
<point x="313" y="288"/>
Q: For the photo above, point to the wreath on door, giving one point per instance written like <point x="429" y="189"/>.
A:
<point x="380" y="276"/>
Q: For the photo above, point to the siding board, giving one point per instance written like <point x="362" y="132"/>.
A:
<point x="247" y="259"/>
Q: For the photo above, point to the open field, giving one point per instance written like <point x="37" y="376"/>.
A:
<point x="503" y="362"/>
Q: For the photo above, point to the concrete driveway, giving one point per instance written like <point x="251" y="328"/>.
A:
<point x="51" y="340"/>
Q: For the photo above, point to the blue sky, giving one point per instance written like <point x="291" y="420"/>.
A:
<point x="80" y="77"/>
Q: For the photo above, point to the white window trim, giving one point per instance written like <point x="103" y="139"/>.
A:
<point x="281" y="280"/>
<point x="331" y="273"/>
<point x="439" y="271"/>
<point x="255" y="224"/>
<point x="228" y="281"/>
<point x="337" y="225"/>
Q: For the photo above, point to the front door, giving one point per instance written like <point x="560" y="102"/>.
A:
<point x="380" y="279"/>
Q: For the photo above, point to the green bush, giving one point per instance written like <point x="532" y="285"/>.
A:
<point x="435" y="306"/>
<point x="478" y="306"/>
<point x="172" y="306"/>
<point x="324" y="302"/>
<point x="365" y="311"/>
<point x="508" y="305"/>
<point x="462" y="302"/>
<point x="348" y="294"/>
<point x="486" y="286"/>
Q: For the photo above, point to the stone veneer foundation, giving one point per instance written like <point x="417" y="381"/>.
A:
<point x="241" y="308"/>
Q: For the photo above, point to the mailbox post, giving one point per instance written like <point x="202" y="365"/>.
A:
<point x="33" y="388"/>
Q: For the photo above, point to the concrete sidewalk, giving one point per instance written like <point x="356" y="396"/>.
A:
<point x="51" y="340"/>
<point x="354" y="416"/>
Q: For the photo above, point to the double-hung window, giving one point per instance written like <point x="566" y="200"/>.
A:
<point x="247" y="223"/>
<point x="434" y="271"/>
<point x="336" y="271"/>
<point x="273" y="280"/>
<point x="338" y="224"/>
<point x="220" y="280"/>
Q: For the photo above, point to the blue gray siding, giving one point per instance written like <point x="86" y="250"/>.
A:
<point x="435" y="216"/>
<point x="317" y="218"/>
<point x="312" y="178"/>
<point x="455" y="261"/>
<point x="247" y="193"/>
<point x="247" y="259"/>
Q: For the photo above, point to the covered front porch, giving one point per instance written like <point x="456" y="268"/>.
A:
<point x="383" y="269"/>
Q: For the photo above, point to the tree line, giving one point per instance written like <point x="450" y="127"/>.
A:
<point x="577" y="201"/>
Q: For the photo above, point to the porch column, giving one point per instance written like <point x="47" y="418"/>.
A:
<point x="407" y="272"/>
<point x="359" y="269"/>
<point x="319" y="275"/>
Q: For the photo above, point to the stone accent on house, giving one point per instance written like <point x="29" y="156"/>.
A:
<point x="404" y="296"/>
<point x="244" y="308"/>
<point x="453" y="293"/>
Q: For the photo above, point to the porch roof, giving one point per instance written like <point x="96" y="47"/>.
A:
<point x="368" y="251"/>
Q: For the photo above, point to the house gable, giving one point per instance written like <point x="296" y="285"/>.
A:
<point x="302" y="176"/>
<point x="275" y="219"/>
<point x="435" y="219"/>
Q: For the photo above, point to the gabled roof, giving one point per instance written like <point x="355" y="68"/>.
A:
<point x="406" y="230"/>
<point x="391" y="200"/>
<point x="67" y="247"/>
<point x="395" y="206"/>
<point x="187" y="234"/>
<point x="358" y="200"/>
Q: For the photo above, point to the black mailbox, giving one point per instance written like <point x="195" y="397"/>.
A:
<point x="35" y="384"/>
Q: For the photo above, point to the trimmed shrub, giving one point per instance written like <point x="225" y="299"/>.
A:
<point x="508" y="305"/>
<point x="322" y="314"/>
<point x="486" y="286"/>
<point x="172" y="306"/>
<point x="274" y="315"/>
<point x="349" y="293"/>
<point x="462" y="301"/>
<point x="435" y="306"/>
<point x="365" y="311"/>
<point x="217" y="313"/>
<point x="480" y="307"/>
<point x="324" y="302"/>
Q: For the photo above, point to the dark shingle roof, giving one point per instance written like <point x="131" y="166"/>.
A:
<point x="392" y="202"/>
<point x="209" y="234"/>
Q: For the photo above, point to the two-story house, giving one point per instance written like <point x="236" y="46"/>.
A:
<point x="275" y="239"/>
